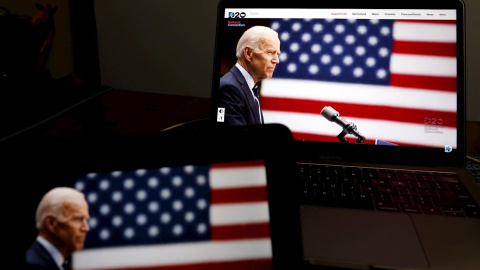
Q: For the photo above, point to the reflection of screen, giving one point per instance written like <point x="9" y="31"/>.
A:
<point x="393" y="73"/>
<point x="189" y="216"/>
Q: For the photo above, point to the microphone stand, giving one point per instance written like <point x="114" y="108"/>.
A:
<point x="350" y="128"/>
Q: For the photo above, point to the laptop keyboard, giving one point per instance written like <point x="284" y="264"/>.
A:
<point x="416" y="192"/>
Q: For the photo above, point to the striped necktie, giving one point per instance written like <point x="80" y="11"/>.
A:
<point x="257" y="98"/>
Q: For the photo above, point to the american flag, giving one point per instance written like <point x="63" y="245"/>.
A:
<point x="395" y="79"/>
<point x="191" y="217"/>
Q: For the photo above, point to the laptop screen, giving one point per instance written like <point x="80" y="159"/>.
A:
<point x="371" y="74"/>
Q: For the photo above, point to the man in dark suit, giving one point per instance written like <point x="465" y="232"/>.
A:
<point x="257" y="56"/>
<point x="62" y="224"/>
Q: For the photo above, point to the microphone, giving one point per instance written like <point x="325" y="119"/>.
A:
<point x="348" y="127"/>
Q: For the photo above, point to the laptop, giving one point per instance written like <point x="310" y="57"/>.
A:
<point x="374" y="95"/>
<point x="192" y="197"/>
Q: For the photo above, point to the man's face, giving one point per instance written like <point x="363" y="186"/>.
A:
<point x="72" y="229"/>
<point x="264" y="60"/>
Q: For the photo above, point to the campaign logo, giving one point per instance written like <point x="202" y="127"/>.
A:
<point x="236" y="15"/>
<point x="220" y="114"/>
<point x="448" y="149"/>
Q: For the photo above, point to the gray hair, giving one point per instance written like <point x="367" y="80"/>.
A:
<point x="252" y="38"/>
<point x="52" y="203"/>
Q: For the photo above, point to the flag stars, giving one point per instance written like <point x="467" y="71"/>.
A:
<point x="129" y="208"/>
<point x="347" y="60"/>
<point x="294" y="47"/>
<point x="362" y="29"/>
<point x="317" y="28"/>
<point x="373" y="40"/>
<point x="177" y="230"/>
<point x="165" y="218"/>
<point x="104" y="209"/>
<point x="177" y="205"/>
<point x="275" y="26"/>
<point x="165" y="170"/>
<point x="201" y="228"/>
<point x="296" y="27"/>
<point x="116" y="174"/>
<point x="370" y="62"/>
<point x="189" y="192"/>
<point x="381" y="74"/>
<point x="358" y="72"/>
<point x="385" y="31"/>
<point x="153" y="207"/>
<point x="141" y="219"/>
<point x="128" y="183"/>
<point x="80" y="185"/>
<point x="201" y="180"/>
<point x="316" y="48"/>
<point x="91" y="175"/>
<point x="304" y="58"/>
<point x="189" y="217"/>
<point x="104" y="234"/>
<point x="141" y="195"/>
<point x="337" y="49"/>
<point x="117" y="196"/>
<point x="93" y="222"/>
<point x="350" y="39"/>
<point x="117" y="221"/>
<point x="340" y="28"/>
<point x="153" y="231"/>
<point x="129" y="233"/>
<point x="313" y="69"/>
<point x="360" y="50"/>
<point x="177" y="181"/>
<point x="335" y="70"/>
<point x="328" y="38"/>
<point x="292" y="68"/>
<point x="306" y="37"/>
<point x="326" y="59"/>
<point x="189" y="169"/>
<point x="165" y="193"/>
<point x="202" y="204"/>
<point x="92" y="197"/>
<point x="153" y="182"/>
<point x="140" y="172"/>
<point x="383" y="52"/>
<point x="285" y="36"/>
<point x="104" y="184"/>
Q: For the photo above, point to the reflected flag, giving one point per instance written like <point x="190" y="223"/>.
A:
<point x="190" y="217"/>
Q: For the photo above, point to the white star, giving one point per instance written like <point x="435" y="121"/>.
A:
<point x="313" y="69"/>
<point x="304" y="58"/>
<point x="370" y="62"/>
<point x="316" y="48"/>
<point x="362" y="29"/>
<point x="306" y="37"/>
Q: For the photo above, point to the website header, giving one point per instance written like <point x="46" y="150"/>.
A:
<point x="395" y="14"/>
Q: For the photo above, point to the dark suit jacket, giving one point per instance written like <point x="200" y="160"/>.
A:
<point x="237" y="99"/>
<point x="37" y="257"/>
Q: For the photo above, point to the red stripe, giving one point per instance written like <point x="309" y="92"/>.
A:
<point x="325" y="138"/>
<point x="236" y="195"/>
<point x="241" y="231"/>
<point x="425" y="48"/>
<point x="254" y="163"/>
<point x="406" y="115"/>
<point x="259" y="264"/>
<point x="448" y="84"/>
<point x="426" y="22"/>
